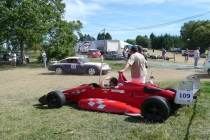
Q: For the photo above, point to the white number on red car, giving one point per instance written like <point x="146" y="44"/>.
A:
<point x="73" y="66"/>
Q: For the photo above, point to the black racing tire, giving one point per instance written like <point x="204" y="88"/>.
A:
<point x="42" y="100"/>
<point x="174" y="106"/>
<point x="156" y="109"/>
<point x="92" y="71"/>
<point x="59" y="70"/>
<point x="104" y="72"/>
<point x="55" y="99"/>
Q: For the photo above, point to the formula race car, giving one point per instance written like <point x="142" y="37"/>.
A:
<point x="131" y="98"/>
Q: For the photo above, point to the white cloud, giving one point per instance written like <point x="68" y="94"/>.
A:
<point x="76" y="9"/>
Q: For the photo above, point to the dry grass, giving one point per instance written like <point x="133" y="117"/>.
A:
<point x="21" y="116"/>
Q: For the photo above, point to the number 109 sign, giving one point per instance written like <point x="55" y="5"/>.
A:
<point x="185" y="96"/>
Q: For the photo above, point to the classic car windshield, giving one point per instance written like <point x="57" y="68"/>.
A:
<point x="84" y="60"/>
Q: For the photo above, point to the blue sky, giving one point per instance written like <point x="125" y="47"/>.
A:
<point x="121" y="17"/>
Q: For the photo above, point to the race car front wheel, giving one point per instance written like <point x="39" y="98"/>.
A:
<point x="55" y="99"/>
<point x="156" y="109"/>
<point x="92" y="71"/>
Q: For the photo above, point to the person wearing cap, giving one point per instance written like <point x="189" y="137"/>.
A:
<point x="136" y="62"/>
<point x="44" y="58"/>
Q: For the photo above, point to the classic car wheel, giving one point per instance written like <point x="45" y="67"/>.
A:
<point x="156" y="109"/>
<point x="27" y="61"/>
<point x="92" y="71"/>
<point x="59" y="70"/>
<point x="55" y="99"/>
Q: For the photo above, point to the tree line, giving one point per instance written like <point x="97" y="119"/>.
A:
<point x="39" y="24"/>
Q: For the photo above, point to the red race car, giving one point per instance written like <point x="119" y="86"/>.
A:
<point x="131" y="98"/>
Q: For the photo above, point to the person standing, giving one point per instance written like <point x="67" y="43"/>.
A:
<point x="44" y="58"/>
<point x="136" y="62"/>
<point x="207" y="53"/>
<point x="186" y="55"/>
<point x="163" y="54"/>
<point x="196" y="56"/>
<point x="13" y="62"/>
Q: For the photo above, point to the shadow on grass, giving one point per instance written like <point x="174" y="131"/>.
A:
<point x="202" y="76"/>
<point x="42" y="106"/>
<point x="136" y="119"/>
<point x="190" y="122"/>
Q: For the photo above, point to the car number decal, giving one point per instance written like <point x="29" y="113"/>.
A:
<point x="184" y="95"/>
<point x="73" y="66"/>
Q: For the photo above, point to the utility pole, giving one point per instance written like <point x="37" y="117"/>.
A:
<point x="104" y="41"/>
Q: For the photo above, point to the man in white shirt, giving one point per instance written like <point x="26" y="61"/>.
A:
<point x="13" y="55"/>
<point x="196" y="56"/>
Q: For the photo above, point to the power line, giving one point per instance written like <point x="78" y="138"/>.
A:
<point x="163" y="24"/>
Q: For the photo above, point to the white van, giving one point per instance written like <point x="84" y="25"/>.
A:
<point x="206" y="66"/>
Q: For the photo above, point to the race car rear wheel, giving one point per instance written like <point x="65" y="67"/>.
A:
<point x="156" y="109"/>
<point x="58" y="70"/>
<point x="92" y="71"/>
<point x="55" y="99"/>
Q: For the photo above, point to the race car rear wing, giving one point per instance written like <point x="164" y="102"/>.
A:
<point x="187" y="90"/>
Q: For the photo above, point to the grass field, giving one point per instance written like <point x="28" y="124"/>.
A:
<point x="23" y="118"/>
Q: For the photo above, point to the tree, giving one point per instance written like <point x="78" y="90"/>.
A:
<point x="60" y="41"/>
<point x="131" y="41"/>
<point x="143" y="41"/>
<point x="86" y="38"/>
<point x="28" y="22"/>
<point x="191" y="32"/>
<point x="102" y="37"/>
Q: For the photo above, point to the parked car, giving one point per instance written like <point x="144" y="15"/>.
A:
<point x="94" y="53"/>
<point x="79" y="65"/>
<point x="206" y="66"/>
<point x="5" y="56"/>
<point x="203" y="55"/>
<point x="114" y="55"/>
<point x="191" y="53"/>
<point x="18" y="56"/>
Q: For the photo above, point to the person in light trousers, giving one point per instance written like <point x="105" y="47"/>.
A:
<point x="44" y="58"/>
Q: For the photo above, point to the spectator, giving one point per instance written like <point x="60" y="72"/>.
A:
<point x="186" y="55"/>
<point x="140" y="50"/>
<point x="13" y="56"/>
<point x="112" y="82"/>
<point x="44" y="58"/>
<point x="163" y="54"/>
<point x="196" y="56"/>
<point x="136" y="62"/>
<point x="207" y="53"/>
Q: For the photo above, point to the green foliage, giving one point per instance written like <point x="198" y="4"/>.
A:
<point x="195" y="34"/>
<point x="26" y="24"/>
<point x="102" y="37"/>
<point x="86" y="38"/>
<point x="131" y="41"/>
<point x="143" y="41"/>
<point x="166" y="41"/>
